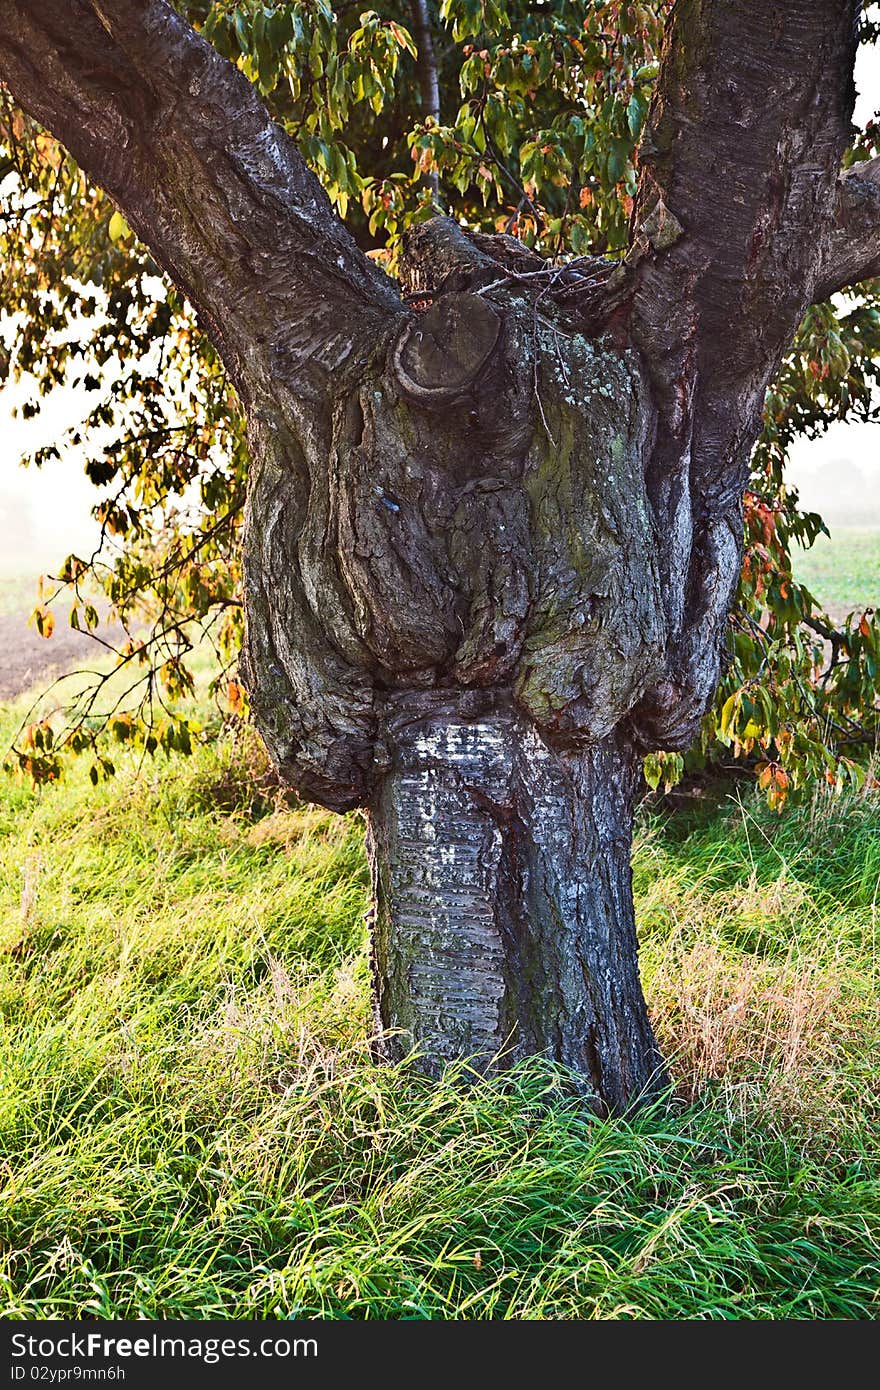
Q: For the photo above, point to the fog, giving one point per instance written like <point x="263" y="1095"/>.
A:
<point x="839" y="475"/>
<point x="44" y="512"/>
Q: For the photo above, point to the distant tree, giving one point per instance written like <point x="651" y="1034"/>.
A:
<point x="495" y="509"/>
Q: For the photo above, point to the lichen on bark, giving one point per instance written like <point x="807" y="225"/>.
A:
<point x="484" y="525"/>
<point x="504" y="919"/>
<point x="454" y="604"/>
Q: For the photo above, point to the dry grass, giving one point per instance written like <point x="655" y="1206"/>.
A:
<point x="784" y="1023"/>
<point x="769" y="982"/>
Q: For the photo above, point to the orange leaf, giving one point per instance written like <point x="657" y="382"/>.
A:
<point x="43" y="620"/>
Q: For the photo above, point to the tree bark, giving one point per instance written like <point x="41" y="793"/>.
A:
<point x="738" y="165"/>
<point x="426" y="67"/>
<point x="852" y="249"/>
<point x="219" y="193"/>
<point x="504" y="922"/>
<point x="453" y="636"/>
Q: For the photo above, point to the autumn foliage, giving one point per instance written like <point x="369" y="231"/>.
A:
<point x="541" y="110"/>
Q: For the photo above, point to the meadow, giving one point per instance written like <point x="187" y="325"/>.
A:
<point x="191" y="1126"/>
<point x="842" y="569"/>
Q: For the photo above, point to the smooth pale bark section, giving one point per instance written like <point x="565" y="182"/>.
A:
<point x="504" y="914"/>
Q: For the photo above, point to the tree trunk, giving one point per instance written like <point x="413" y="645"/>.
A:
<point x="503" y="895"/>
<point x="494" y="526"/>
<point x="453" y="605"/>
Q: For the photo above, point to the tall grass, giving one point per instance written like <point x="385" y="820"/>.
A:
<point x="190" y="1124"/>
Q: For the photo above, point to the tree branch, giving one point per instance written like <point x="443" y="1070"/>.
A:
<point x="219" y="193"/>
<point x="738" y="184"/>
<point x="852" y="251"/>
<point x="426" y="69"/>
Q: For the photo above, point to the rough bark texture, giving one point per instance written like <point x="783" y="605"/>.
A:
<point x="474" y="515"/>
<point x="852" y="248"/>
<point x="220" y="194"/>
<point x="483" y="542"/>
<point x="504" y="915"/>
<point x="491" y="544"/>
<point x="739" y="164"/>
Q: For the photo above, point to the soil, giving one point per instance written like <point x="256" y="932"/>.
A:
<point x="28" y="660"/>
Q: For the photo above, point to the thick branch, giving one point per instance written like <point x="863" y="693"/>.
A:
<point x="852" y="252"/>
<point x="738" y="184"/>
<point x="182" y="142"/>
<point x="739" y="170"/>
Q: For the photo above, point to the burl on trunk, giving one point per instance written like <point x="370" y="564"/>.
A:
<point x="453" y="614"/>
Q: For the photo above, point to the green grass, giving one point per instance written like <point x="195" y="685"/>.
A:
<point x="843" y="571"/>
<point x="20" y="593"/>
<point x="190" y="1124"/>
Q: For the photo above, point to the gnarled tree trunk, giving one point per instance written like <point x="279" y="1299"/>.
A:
<point x="494" y="526"/>
<point x="484" y="566"/>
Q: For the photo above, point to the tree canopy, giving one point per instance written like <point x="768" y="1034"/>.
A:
<point x="519" y="118"/>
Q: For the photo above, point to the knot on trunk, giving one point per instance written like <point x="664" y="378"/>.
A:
<point x="439" y="356"/>
<point x="470" y="514"/>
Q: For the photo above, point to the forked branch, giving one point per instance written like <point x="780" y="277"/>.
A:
<point x="220" y="194"/>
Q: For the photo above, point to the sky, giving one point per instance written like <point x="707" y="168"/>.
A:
<point x="44" y="513"/>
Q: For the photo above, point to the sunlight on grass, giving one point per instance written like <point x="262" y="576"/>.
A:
<point x="191" y="1125"/>
<point x="843" y="571"/>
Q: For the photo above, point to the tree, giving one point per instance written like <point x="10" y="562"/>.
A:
<point x="495" y="509"/>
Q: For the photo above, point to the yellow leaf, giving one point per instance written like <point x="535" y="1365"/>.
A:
<point x="727" y="713"/>
<point x="43" y="620"/>
<point x="118" y="229"/>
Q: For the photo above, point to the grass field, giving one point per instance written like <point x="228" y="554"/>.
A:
<point x="190" y="1124"/>
<point x="18" y="594"/>
<point x="843" y="571"/>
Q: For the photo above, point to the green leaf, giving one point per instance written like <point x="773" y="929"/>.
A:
<point x="636" y="112"/>
<point x="653" y="770"/>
